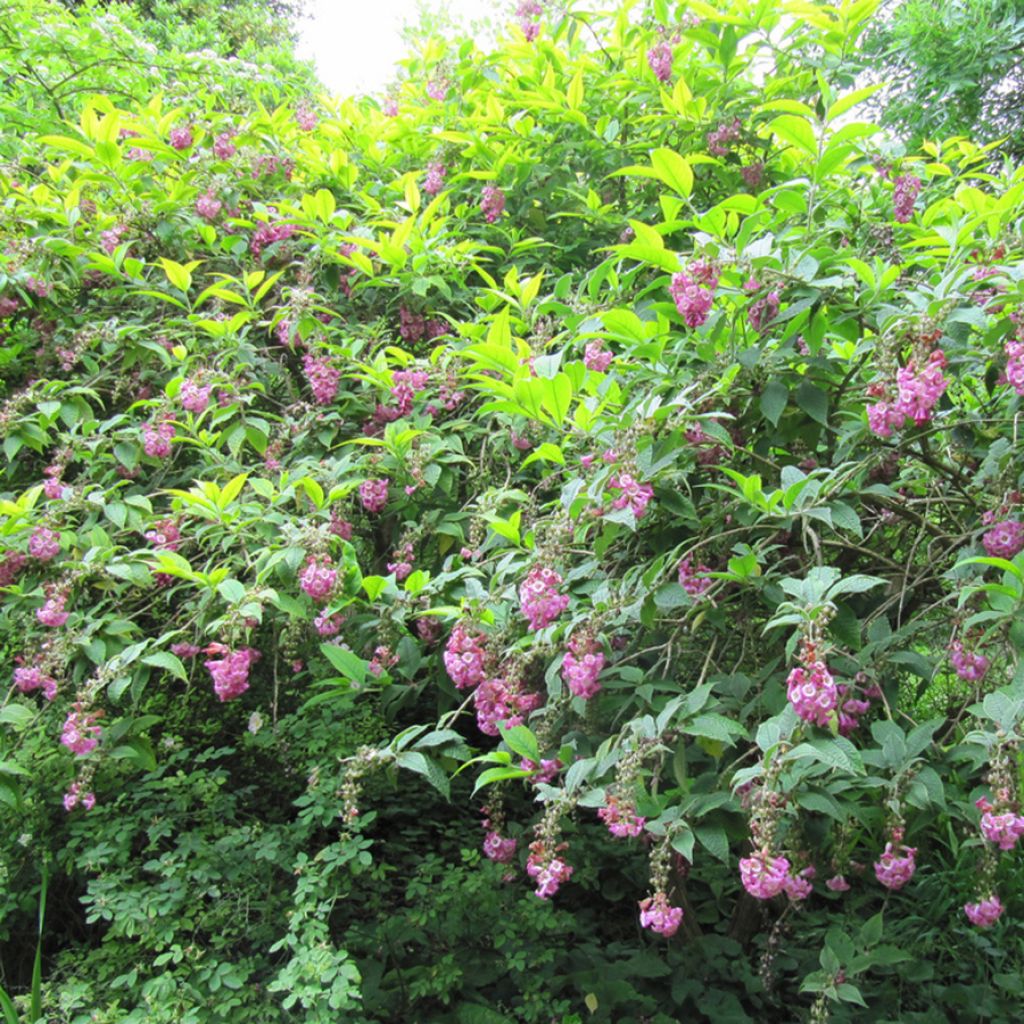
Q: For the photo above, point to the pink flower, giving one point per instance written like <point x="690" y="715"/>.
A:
<point x="1015" y="365"/>
<point x="230" y="671"/>
<point x="208" y="206"/>
<point x="596" y="357"/>
<point x="374" y="494"/>
<point x="328" y="625"/>
<point x="492" y="203"/>
<point x="763" y="311"/>
<point x="799" y="887"/>
<point x="582" y="665"/>
<point x="905" y="191"/>
<point x="985" y="912"/>
<point x="11" y="565"/>
<point x="223" y="147"/>
<point x="968" y="665"/>
<point x="156" y="439"/>
<point x="44" y="544"/>
<point x="894" y="870"/>
<point x="656" y="914"/>
<point x="621" y="818"/>
<point x="884" y="417"/>
<point x="185" y="650"/>
<point x="322" y="377"/>
<point x="79" y="734"/>
<point x="165" y="535"/>
<point x="194" y="397"/>
<point x="633" y="494"/>
<point x="918" y="392"/>
<point x="724" y="134"/>
<point x="547" y="869"/>
<point x="498" y="849"/>
<point x="1004" y="540"/>
<point x="437" y="88"/>
<point x="318" y="578"/>
<point x="464" y="657"/>
<point x="1002" y="829"/>
<point x="764" y="876"/>
<point x="752" y="175"/>
<point x="433" y="181"/>
<point x="32" y="678"/>
<point x="181" y="138"/>
<point x="306" y="119"/>
<point x="837" y="884"/>
<point x="52" y="613"/>
<point x="812" y="692"/>
<point x="499" y="702"/>
<point x="539" y="599"/>
<point x="74" y="796"/>
<point x="694" y="579"/>
<point x="692" y="300"/>
<point x="659" y="59"/>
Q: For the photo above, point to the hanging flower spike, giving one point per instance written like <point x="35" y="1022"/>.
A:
<point x="764" y="876"/>
<point x="985" y="912"/>
<point x="893" y="869"/>
<point x="658" y="916"/>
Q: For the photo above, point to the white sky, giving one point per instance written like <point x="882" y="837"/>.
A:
<point x="355" y="43"/>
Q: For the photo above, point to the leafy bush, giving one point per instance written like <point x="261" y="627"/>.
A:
<point x="609" y="427"/>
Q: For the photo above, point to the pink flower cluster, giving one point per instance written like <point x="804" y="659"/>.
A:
<point x="596" y="357"/>
<point x="719" y="139"/>
<point x="52" y="613"/>
<point x="838" y="883"/>
<point x="44" y="544"/>
<point x="905" y="191"/>
<point x="544" y="772"/>
<point x="223" y="147"/>
<point x="437" y="88"/>
<point x="547" y="869"/>
<point x="985" y="912"/>
<point x="694" y="579"/>
<point x="764" y="876"/>
<point x="499" y="849"/>
<point x="195" y="397"/>
<point x="433" y="180"/>
<point x="894" y="869"/>
<point x="267" y="234"/>
<point x="752" y="174"/>
<point x="165" y="535"/>
<point x="763" y="311"/>
<point x="208" y="206"/>
<point x="79" y="734"/>
<point x="74" y="796"/>
<point x="306" y="119"/>
<point x="812" y="692"/>
<point x="659" y="916"/>
<point x="528" y="14"/>
<point x="156" y="439"/>
<point x="1004" y="540"/>
<point x="29" y="678"/>
<point x="918" y="393"/>
<point x="181" y="138"/>
<point x="322" y="378"/>
<point x="406" y="384"/>
<point x="492" y="203"/>
<point x="318" y="578"/>
<point x="968" y="665"/>
<point x="693" y="291"/>
<point x="581" y="666"/>
<point x="659" y="60"/>
<point x="230" y="671"/>
<point x="851" y="708"/>
<point x="620" y="817"/>
<point x="404" y="557"/>
<point x="1003" y="829"/>
<point x="800" y="886"/>
<point x="498" y="701"/>
<point x="632" y="494"/>
<point x="374" y="494"/>
<point x="539" y="599"/>
<point x="464" y="657"/>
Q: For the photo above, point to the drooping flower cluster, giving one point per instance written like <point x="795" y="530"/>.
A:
<point x="632" y="494"/>
<point x="968" y="665"/>
<point x="619" y="815"/>
<point x="547" y="868"/>
<point x="492" y="203"/>
<point x="208" y="206"/>
<point x="318" y="578"/>
<point x="464" y="656"/>
<point x="719" y="139"/>
<point x="539" y="599"/>
<point x="374" y="494"/>
<point x="896" y="866"/>
<point x="223" y="147"/>
<point x="657" y="915"/>
<point x="502" y="702"/>
<point x="812" y="691"/>
<point x="44" y="544"/>
<point x="406" y="384"/>
<point x="164" y="535"/>
<point x="403" y="559"/>
<point x="268" y="234"/>
<point x="80" y="735"/>
<point x="999" y="824"/>
<point x="194" y="397"/>
<point x="905" y="191"/>
<point x="694" y="579"/>
<point x="328" y="625"/>
<point x="985" y="912"/>
<point x="1004" y="540"/>
<point x="31" y="677"/>
<point x="763" y="875"/>
<point x="752" y="174"/>
<point x="659" y="60"/>
<point x="74" y="797"/>
<point x="181" y="138"/>
<point x="596" y="357"/>
<point x="838" y="883"/>
<point x="693" y="292"/>
<point x="306" y="119"/>
<point x="52" y="613"/>
<point x="528" y="14"/>
<point x="230" y="671"/>
<point x="497" y="847"/>
<point x="799" y="886"/>
<point x="322" y="377"/>
<point x="156" y="439"/>
<point x="763" y="311"/>
<point x="919" y="391"/>
<point x="582" y="665"/>
<point x="433" y="180"/>
<point x="11" y="565"/>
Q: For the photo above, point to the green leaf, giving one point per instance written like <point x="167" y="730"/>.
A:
<point x="774" y="400"/>
<point x="166" y="660"/>
<point x="414" y="761"/>
<point x="837" y="753"/>
<point x="499" y="775"/>
<point x="796" y="130"/>
<point x="520" y="740"/>
<point x="813" y="401"/>
<point x="714" y="840"/>
<point x="350" y="665"/>
<point x="673" y="170"/>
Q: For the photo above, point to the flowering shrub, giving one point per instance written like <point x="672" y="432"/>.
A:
<point x="666" y="498"/>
